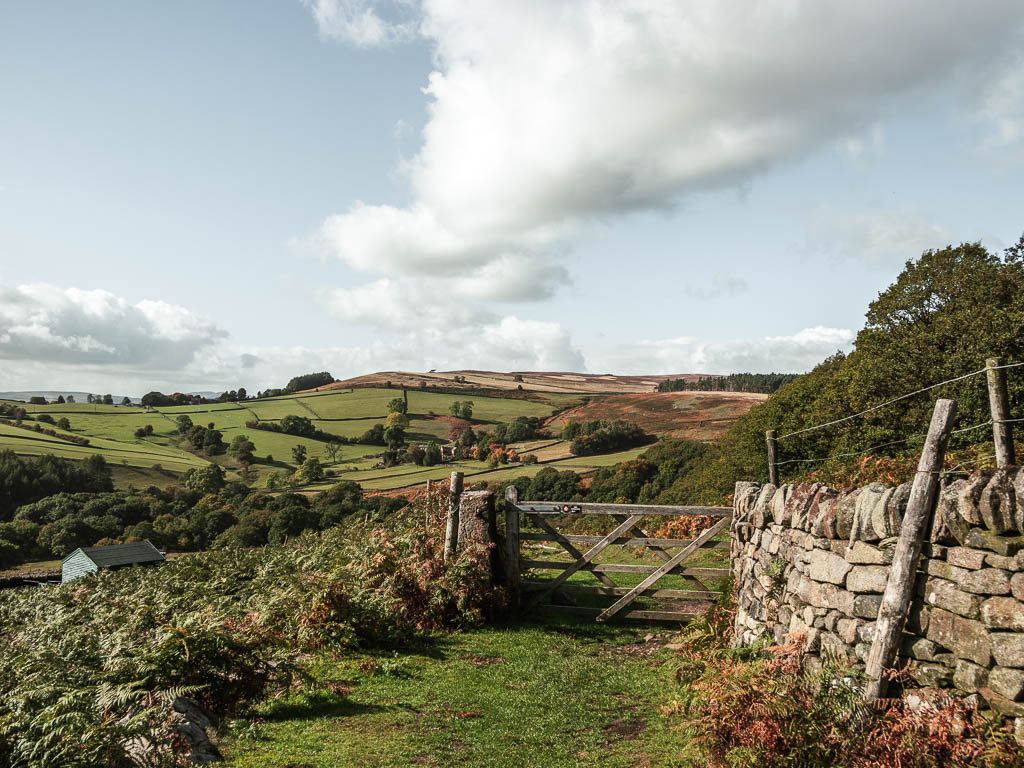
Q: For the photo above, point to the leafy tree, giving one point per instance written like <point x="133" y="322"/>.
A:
<point x="37" y="400"/>
<point x="432" y="454"/>
<point x="925" y="328"/>
<point x="242" y="394"/>
<point x="414" y="454"/>
<point x="108" y="400"/>
<point x="299" y="453"/>
<point x="184" y="424"/>
<point x="208" y="479"/>
<point x="63" y="423"/>
<point x="309" y="381"/>
<point x="311" y="470"/>
<point x="551" y="485"/>
<point x="242" y="449"/>
<point x="332" y="449"/>
<point x="398" y="405"/>
<point x="213" y="442"/>
<point x="396" y="419"/>
<point x="461" y="409"/>
<point x="373" y="436"/>
<point x="25" y="480"/>
<point x="126" y="400"/>
<point x="70" y="399"/>
<point x="45" y="418"/>
<point x="60" y="399"/>
<point x="394" y="436"/>
<point x="298" y="425"/>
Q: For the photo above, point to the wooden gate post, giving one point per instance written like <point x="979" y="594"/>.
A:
<point x="999" y="402"/>
<point x="451" y="531"/>
<point x="899" y="589"/>
<point x="772" y="438"/>
<point x="512" y="542"/>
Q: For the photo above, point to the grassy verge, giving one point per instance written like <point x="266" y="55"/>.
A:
<point x="552" y="695"/>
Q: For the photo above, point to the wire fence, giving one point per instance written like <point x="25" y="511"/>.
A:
<point x="911" y="439"/>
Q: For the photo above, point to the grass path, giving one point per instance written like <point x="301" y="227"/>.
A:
<point x="551" y="696"/>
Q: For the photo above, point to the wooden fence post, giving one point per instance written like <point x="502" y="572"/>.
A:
<point x="999" y="402"/>
<point x="899" y="589"/>
<point x="451" y="531"/>
<point x="512" y="542"/>
<point x="772" y="438"/>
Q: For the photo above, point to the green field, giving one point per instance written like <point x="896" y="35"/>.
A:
<point x="156" y="458"/>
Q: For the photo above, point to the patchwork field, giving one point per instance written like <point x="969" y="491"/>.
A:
<point x="162" y="456"/>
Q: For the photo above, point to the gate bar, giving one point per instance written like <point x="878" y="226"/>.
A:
<point x="663" y="569"/>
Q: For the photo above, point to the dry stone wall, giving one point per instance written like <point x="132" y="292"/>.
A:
<point x="811" y="563"/>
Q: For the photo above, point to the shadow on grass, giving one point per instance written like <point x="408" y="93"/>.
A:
<point x="315" y="705"/>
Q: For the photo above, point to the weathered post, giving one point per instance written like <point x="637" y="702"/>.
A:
<point x="478" y="528"/>
<point x="451" y="531"/>
<point x="999" y="402"/>
<point x="772" y="438"/>
<point x="899" y="589"/>
<point x="512" y="541"/>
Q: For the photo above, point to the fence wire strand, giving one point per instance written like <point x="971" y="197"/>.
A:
<point x="898" y="399"/>
<point x="884" y="445"/>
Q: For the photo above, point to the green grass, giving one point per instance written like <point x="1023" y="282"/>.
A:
<point x="545" y="696"/>
<point x="131" y="451"/>
<point x="111" y="431"/>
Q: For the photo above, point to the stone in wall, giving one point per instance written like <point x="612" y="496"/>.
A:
<point x="965" y="627"/>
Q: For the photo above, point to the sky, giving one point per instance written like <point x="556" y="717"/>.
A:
<point x="202" y="196"/>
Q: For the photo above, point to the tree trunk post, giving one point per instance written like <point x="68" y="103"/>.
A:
<point x="512" y="542"/>
<point x="999" y="402"/>
<point x="451" y="532"/>
<point x="899" y="589"/>
<point x="772" y="438"/>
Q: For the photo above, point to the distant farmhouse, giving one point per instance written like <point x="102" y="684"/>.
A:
<point x="85" y="560"/>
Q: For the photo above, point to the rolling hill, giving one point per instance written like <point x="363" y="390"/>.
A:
<point x="350" y="408"/>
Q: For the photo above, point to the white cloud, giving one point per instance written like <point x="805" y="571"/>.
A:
<point x="543" y="116"/>
<point x="860" y="146"/>
<point x="366" y="24"/>
<point x="46" y="323"/>
<point x="505" y="343"/>
<point x="1002" y="109"/>
<point x="785" y="354"/>
<point x="882" y="237"/>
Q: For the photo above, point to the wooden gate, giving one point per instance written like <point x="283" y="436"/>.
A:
<point x="690" y="596"/>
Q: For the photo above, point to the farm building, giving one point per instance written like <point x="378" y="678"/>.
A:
<point x="91" y="559"/>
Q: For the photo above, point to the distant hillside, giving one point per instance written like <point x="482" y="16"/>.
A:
<point x="534" y="381"/>
<point x="52" y="395"/>
<point x="697" y="415"/>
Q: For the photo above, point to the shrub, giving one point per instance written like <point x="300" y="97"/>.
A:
<point x="225" y="628"/>
<point x="758" y="707"/>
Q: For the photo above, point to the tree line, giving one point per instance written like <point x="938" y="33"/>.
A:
<point x="50" y="506"/>
<point x="765" y="383"/>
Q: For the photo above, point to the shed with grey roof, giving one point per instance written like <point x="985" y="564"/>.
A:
<point x="91" y="559"/>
